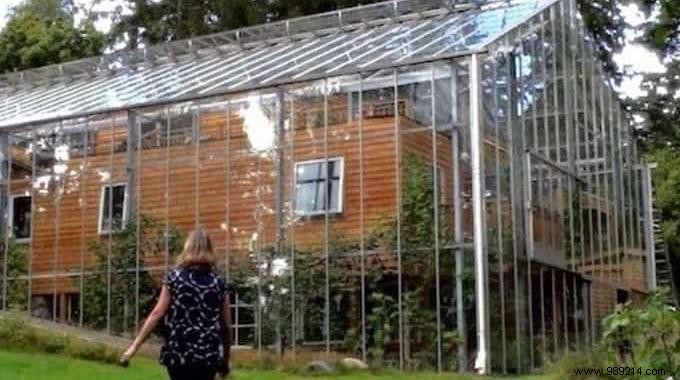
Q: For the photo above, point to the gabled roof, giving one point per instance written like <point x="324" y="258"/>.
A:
<point x="354" y="40"/>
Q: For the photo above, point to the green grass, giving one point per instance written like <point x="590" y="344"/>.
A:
<point x="23" y="366"/>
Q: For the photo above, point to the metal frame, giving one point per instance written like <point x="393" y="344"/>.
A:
<point x="521" y="120"/>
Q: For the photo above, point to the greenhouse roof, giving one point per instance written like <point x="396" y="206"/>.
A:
<point x="353" y="40"/>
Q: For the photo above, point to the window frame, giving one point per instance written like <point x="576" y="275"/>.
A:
<point x="11" y="219"/>
<point x="101" y="230"/>
<point x="341" y="187"/>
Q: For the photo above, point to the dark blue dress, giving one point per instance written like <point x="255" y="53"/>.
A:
<point x="193" y="335"/>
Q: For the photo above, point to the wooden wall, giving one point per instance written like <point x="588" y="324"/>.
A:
<point x="228" y="188"/>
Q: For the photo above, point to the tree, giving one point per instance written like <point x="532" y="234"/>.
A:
<point x="659" y="130"/>
<point x="41" y="33"/>
<point x="604" y="21"/>
<point x="660" y="108"/>
<point x="153" y="22"/>
<point x="283" y="9"/>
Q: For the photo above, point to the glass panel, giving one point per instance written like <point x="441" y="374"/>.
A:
<point x="230" y="68"/>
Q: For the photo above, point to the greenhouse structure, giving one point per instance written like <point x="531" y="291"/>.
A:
<point x="451" y="185"/>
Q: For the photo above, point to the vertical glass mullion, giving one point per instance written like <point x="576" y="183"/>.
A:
<point x="622" y="188"/>
<point x="577" y="100"/>
<point x="196" y="119"/>
<point x="540" y="68"/>
<point x="604" y="168"/>
<point x="109" y="221"/>
<point x="397" y="157"/>
<point x="553" y="298"/>
<point x="227" y="194"/>
<point x="83" y="185"/>
<point x="480" y="239"/>
<point x="6" y="141"/>
<point x="506" y="185"/>
<point x="595" y="165"/>
<point x="585" y="166"/>
<point x="544" y="344"/>
<point x="31" y="248"/>
<point x="612" y="180"/>
<point x="362" y="218"/>
<point x="458" y="219"/>
<point x="166" y="192"/>
<point x="435" y="182"/>
<point x="138" y="208"/>
<point x="57" y="224"/>
<point x="545" y="201"/>
<point x="499" y="222"/>
<point x="629" y="188"/>
<point x="637" y="217"/>
<point x="258" y="257"/>
<point x="291" y="229"/>
<point x="522" y="196"/>
<point x="565" y="311"/>
<point x="327" y="203"/>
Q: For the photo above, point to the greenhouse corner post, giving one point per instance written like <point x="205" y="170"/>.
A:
<point x="482" y="363"/>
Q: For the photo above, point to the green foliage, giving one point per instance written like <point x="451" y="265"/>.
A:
<point x="660" y="108"/>
<point x="271" y="271"/>
<point x="17" y="335"/>
<point x="641" y="337"/>
<point x="123" y="260"/>
<point x="647" y="337"/>
<point x="563" y="369"/>
<point x="604" y="21"/>
<point x="169" y="20"/>
<point x="17" y="266"/>
<point x="667" y="181"/>
<point x="41" y="33"/>
<point x="52" y="367"/>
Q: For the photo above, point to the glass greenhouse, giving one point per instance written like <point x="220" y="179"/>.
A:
<point x="420" y="183"/>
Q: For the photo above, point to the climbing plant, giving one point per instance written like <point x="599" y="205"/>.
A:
<point x="17" y="267"/>
<point x="115" y="271"/>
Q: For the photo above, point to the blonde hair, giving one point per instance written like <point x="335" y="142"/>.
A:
<point x="198" y="251"/>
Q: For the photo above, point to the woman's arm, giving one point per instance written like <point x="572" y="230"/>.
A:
<point x="225" y="325"/>
<point x="150" y="324"/>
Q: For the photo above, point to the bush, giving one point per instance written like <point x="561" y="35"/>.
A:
<point x="643" y="337"/>
<point x="17" y="335"/>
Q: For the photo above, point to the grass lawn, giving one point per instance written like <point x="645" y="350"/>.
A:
<point x="22" y="366"/>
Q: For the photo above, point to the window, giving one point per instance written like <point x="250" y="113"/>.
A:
<point x="318" y="187"/>
<point x="112" y="207"/>
<point x="20" y="217"/>
<point x="243" y="321"/>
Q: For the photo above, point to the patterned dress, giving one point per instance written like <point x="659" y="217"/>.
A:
<point x="193" y="335"/>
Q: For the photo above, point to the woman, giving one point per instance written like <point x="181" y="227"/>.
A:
<point x="195" y="303"/>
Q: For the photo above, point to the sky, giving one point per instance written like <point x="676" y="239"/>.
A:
<point x="633" y="58"/>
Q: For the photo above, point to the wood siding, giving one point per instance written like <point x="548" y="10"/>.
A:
<point x="227" y="188"/>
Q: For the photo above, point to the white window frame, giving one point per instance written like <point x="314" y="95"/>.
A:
<point x="104" y="230"/>
<point x="341" y="190"/>
<point x="11" y="218"/>
<point x="239" y="327"/>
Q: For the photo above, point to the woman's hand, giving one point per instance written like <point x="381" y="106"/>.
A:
<point x="128" y="355"/>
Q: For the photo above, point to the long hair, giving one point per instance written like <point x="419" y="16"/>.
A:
<point x="198" y="251"/>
